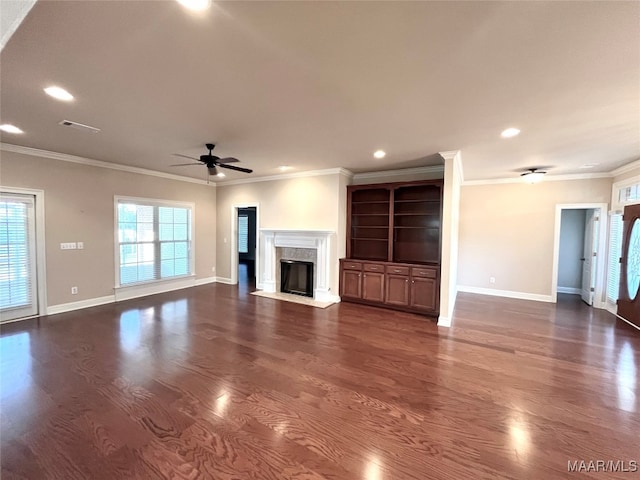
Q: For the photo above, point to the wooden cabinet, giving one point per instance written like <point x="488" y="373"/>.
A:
<point x="373" y="286"/>
<point x="393" y="285"/>
<point x="397" y="290"/>
<point x="393" y="245"/>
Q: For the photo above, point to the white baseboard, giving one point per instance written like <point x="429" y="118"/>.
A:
<point x="444" y="321"/>
<point x="506" y="293"/>
<point x="224" y="280"/>
<point x="570" y="290"/>
<point x="137" y="291"/>
<point x="90" y="302"/>
<point x="627" y="321"/>
<point x="204" y="281"/>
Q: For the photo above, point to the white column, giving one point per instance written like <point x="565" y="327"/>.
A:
<point x="269" y="256"/>
<point x="321" y="292"/>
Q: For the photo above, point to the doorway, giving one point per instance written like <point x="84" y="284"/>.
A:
<point x="579" y="250"/>
<point x="244" y="246"/>
<point x="22" y="287"/>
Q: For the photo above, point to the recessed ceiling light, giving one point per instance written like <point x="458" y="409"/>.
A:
<point x="196" y="5"/>
<point x="588" y="165"/>
<point x="510" y="132"/>
<point x="379" y="153"/>
<point x="59" y="93"/>
<point x="221" y="175"/>
<point x="284" y="168"/>
<point x="10" y="128"/>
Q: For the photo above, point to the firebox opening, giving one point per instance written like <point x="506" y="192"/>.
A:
<point x="296" y="277"/>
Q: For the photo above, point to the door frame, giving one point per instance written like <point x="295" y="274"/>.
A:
<point x="41" y="269"/>
<point x="234" y="242"/>
<point x="599" y="300"/>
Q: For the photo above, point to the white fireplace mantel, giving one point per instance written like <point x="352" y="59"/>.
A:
<point x="319" y="240"/>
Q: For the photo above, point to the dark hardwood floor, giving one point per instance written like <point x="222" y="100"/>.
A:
<point x="214" y="383"/>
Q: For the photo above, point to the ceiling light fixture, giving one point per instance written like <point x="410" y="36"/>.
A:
<point x="379" y="153"/>
<point x="221" y="175"/>
<point x="510" y="132"/>
<point x="195" y="5"/>
<point x="10" y="128"/>
<point x="588" y="165"/>
<point x="533" y="175"/>
<point x="58" y="93"/>
<point x="284" y="168"/>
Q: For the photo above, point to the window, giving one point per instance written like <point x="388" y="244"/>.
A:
<point x="243" y="234"/>
<point x="154" y="241"/>
<point x="615" y="250"/>
<point x="629" y="194"/>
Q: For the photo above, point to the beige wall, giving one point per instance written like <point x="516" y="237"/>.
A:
<point x="507" y="231"/>
<point x="79" y="206"/>
<point x="312" y="203"/>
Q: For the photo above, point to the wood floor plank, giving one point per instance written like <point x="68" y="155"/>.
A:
<point x="214" y="383"/>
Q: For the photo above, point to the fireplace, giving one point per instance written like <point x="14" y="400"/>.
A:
<point x="296" y="277"/>
<point x="274" y="242"/>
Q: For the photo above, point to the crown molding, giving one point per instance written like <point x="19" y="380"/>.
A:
<point x="402" y="171"/>
<point x="547" y="178"/>
<point x="626" y="168"/>
<point x="35" y="152"/>
<point x="284" y="176"/>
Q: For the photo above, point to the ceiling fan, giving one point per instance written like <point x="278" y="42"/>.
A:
<point x="212" y="162"/>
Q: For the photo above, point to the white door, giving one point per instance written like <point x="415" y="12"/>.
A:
<point x="588" y="257"/>
<point x="18" y="285"/>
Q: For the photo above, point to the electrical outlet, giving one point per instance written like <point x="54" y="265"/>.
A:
<point x="213" y="269"/>
<point x="492" y="279"/>
<point x="74" y="290"/>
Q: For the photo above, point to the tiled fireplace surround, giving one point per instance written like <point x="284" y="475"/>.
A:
<point x="305" y="245"/>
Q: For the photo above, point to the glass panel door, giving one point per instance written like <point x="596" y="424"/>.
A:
<point x="18" y="295"/>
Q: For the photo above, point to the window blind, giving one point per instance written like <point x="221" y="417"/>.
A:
<point x="615" y="250"/>
<point x="17" y="256"/>
<point x="154" y="242"/>
<point x="243" y="234"/>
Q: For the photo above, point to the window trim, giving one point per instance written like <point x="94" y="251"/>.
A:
<point x="40" y="238"/>
<point x="155" y="202"/>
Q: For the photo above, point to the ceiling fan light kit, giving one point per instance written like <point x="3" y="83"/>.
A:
<point x="533" y="175"/>
<point x="212" y="162"/>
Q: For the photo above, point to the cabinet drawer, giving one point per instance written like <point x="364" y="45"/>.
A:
<point x="352" y="265"/>
<point x="373" y="267"/>
<point x="397" y="270"/>
<point x="424" y="272"/>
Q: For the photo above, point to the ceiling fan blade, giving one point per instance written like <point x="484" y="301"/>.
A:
<point x="183" y="164"/>
<point x="228" y="160"/>
<point x="184" y="156"/>
<point x="231" y="167"/>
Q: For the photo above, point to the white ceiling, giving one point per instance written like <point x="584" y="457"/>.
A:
<point x="323" y="84"/>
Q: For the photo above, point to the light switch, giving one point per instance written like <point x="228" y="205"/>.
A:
<point x="80" y="245"/>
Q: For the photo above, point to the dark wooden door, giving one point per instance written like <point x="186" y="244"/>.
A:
<point x="397" y="290"/>
<point x="629" y="295"/>
<point x="373" y="286"/>
<point x="351" y="286"/>
<point x="423" y="293"/>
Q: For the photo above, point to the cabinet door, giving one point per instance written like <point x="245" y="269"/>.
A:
<point x="397" y="290"/>
<point x="373" y="286"/>
<point x="351" y="286"/>
<point x="423" y="293"/>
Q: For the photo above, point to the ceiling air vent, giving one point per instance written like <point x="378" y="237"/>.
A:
<point x="79" y="126"/>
